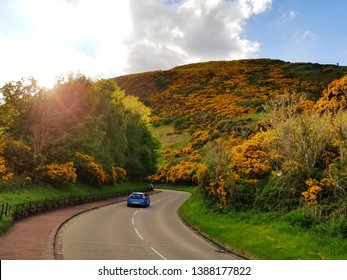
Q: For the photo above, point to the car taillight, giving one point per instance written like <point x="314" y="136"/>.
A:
<point x="143" y="197"/>
<point x="129" y="196"/>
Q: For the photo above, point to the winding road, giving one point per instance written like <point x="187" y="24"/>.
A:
<point x="118" y="232"/>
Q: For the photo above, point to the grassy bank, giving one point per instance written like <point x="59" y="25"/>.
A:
<point x="266" y="236"/>
<point x="47" y="192"/>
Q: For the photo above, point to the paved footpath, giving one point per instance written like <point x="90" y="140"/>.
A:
<point x="32" y="238"/>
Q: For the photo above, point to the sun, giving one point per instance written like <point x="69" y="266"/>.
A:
<point x="46" y="80"/>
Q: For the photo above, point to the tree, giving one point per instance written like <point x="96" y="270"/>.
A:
<point x="39" y="129"/>
<point x="282" y="107"/>
<point x="77" y="115"/>
<point x="141" y="149"/>
<point x="111" y="109"/>
<point x="215" y="177"/>
<point x="301" y="141"/>
<point x="15" y="106"/>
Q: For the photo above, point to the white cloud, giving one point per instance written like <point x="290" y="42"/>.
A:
<point x="84" y="36"/>
<point x="290" y="15"/>
<point x="190" y="30"/>
<point x="251" y="7"/>
<point x="308" y="35"/>
<point x="104" y="38"/>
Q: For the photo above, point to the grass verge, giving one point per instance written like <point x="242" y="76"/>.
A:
<point x="266" y="236"/>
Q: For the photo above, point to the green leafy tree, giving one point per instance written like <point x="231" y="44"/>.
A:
<point x="77" y="115"/>
<point x="16" y="100"/>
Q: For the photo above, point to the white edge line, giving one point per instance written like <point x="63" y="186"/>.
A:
<point x="133" y="221"/>
<point x="160" y="255"/>
<point x="139" y="234"/>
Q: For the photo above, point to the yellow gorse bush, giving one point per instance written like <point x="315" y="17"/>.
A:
<point x="315" y="188"/>
<point x="184" y="171"/>
<point x="94" y="173"/>
<point x="3" y="168"/>
<point x="60" y="174"/>
<point x="160" y="176"/>
<point x="4" y="172"/>
<point x="97" y="173"/>
<point x="7" y="177"/>
<point x="84" y="156"/>
<point x="90" y="171"/>
<point x="219" y="190"/>
<point x="334" y="96"/>
<point x="250" y="158"/>
<point x="118" y="174"/>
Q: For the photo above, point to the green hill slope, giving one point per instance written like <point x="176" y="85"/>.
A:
<point x="220" y="98"/>
<point x="205" y="93"/>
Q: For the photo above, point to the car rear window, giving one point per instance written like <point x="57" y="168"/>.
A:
<point x="136" y="196"/>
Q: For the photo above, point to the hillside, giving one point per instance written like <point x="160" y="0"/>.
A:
<point x="195" y="104"/>
<point x="206" y="93"/>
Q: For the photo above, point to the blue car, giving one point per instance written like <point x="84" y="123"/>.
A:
<point x="138" y="199"/>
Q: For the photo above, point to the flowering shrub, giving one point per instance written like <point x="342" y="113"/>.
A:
<point x="96" y="174"/>
<point x="90" y="171"/>
<point x="184" y="171"/>
<point x="84" y="157"/>
<point x="160" y="176"/>
<point x="59" y="174"/>
<point x="7" y="177"/>
<point x="27" y="180"/>
<point x="117" y="174"/>
<point x="19" y="156"/>
<point x="219" y="190"/>
<point x="4" y="172"/>
<point x="3" y="167"/>
<point x="200" y="138"/>
<point x="250" y="159"/>
<point x="334" y="96"/>
<point x="315" y="188"/>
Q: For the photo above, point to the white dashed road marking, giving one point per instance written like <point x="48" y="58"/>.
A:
<point x="138" y="233"/>
<point x="160" y="255"/>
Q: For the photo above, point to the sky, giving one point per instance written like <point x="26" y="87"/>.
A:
<point x="106" y="38"/>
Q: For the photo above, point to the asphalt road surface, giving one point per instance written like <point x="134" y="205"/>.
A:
<point x="120" y="232"/>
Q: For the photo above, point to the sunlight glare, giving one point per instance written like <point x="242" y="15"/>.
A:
<point x="81" y="37"/>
